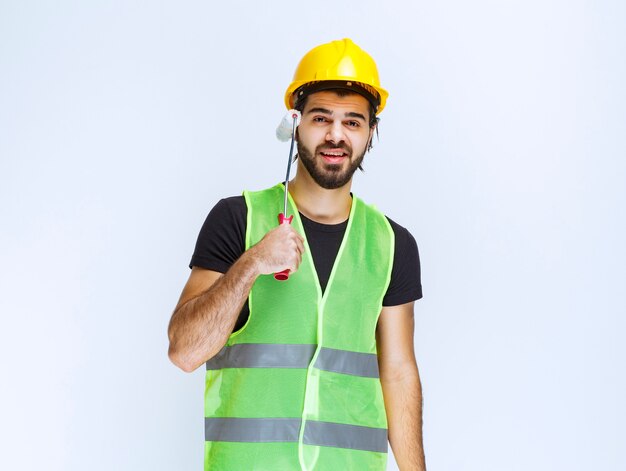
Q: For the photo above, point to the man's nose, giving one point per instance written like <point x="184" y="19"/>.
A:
<point x="335" y="132"/>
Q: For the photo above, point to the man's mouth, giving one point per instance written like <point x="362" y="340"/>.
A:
<point x="333" y="156"/>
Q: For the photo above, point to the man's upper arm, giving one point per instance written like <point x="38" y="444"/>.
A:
<point x="200" y="280"/>
<point x="394" y="336"/>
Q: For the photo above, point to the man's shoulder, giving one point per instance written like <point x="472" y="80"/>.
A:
<point x="399" y="231"/>
<point x="232" y="202"/>
<point x="222" y="236"/>
<point x="229" y="208"/>
<point x="235" y="208"/>
<point x="402" y="235"/>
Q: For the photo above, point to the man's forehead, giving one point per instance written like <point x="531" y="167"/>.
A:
<point x="342" y="102"/>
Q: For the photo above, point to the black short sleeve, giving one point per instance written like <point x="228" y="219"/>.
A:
<point x="405" y="285"/>
<point x="222" y="238"/>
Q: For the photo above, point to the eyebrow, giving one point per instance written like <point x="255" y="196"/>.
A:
<point x="350" y="114"/>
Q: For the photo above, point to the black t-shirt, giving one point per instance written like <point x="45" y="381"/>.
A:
<point x="222" y="240"/>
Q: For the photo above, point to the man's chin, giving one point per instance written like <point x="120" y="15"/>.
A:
<point x="332" y="182"/>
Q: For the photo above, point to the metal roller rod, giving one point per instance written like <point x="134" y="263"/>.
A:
<point x="293" y="140"/>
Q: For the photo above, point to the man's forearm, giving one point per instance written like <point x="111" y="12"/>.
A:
<point x="201" y="326"/>
<point x="403" y="402"/>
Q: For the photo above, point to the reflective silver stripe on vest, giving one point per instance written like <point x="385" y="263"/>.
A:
<point x="350" y="363"/>
<point x="262" y="355"/>
<point x="355" y="437"/>
<point x="251" y="430"/>
<point x="267" y="355"/>
<point x="345" y="436"/>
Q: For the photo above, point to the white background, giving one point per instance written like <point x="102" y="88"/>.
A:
<point x="502" y="149"/>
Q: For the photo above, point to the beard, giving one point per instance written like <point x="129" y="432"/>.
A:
<point x="329" y="176"/>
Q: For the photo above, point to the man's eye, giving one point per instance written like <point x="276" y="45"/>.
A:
<point x="354" y="124"/>
<point x="319" y="119"/>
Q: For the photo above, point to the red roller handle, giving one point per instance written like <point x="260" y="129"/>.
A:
<point x="283" y="275"/>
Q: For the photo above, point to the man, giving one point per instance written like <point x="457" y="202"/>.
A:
<point x="318" y="371"/>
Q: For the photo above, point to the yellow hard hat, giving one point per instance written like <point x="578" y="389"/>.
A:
<point x="338" y="64"/>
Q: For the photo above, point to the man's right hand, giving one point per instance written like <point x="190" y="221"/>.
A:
<point x="280" y="249"/>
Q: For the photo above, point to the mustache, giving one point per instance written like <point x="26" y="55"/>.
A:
<point x="342" y="146"/>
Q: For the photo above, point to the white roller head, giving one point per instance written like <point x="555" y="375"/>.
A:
<point x="283" y="131"/>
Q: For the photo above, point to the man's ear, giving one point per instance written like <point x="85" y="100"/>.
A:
<point x="371" y="138"/>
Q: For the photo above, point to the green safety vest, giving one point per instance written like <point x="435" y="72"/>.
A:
<point x="297" y="387"/>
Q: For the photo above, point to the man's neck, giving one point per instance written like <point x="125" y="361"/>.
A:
<point x="317" y="203"/>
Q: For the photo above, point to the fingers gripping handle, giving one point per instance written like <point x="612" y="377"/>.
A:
<point x="283" y="275"/>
